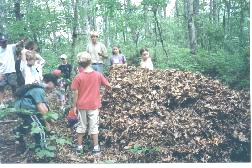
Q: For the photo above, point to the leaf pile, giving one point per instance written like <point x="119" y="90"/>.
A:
<point x="174" y="116"/>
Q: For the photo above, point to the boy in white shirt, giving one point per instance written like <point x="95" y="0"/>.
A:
<point x="28" y="69"/>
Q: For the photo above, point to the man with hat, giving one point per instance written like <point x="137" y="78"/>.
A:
<point x="98" y="52"/>
<point x="7" y="66"/>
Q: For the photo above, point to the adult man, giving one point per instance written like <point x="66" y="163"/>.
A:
<point x="7" y="67"/>
<point x="98" y="52"/>
<point x="31" y="106"/>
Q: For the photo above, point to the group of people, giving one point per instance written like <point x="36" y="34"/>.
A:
<point x="85" y="86"/>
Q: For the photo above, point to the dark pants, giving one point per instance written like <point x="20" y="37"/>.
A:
<point x="26" y="128"/>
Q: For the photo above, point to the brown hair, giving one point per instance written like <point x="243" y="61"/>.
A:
<point x="143" y="50"/>
<point x="30" y="55"/>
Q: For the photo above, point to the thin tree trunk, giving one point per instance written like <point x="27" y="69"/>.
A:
<point x="191" y="28"/>
<point x="159" y="30"/>
<point x="17" y="10"/>
<point x="241" y="22"/>
<point x="74" y="33"/>
<point x="176" y="9"/>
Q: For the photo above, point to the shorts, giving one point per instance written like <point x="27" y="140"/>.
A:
<point x="8" y="79"/>
<point x="88" y="118"/>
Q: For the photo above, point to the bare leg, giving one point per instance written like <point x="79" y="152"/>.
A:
<point x="95" y="139"/>
<point x="80" y="139"/>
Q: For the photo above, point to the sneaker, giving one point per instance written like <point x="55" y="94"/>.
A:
<point x="2" y="106"/>
<point x="96" y="152"/>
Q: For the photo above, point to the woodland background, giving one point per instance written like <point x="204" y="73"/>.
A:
<point x="208" y="36"/>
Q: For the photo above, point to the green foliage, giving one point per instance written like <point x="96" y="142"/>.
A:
<point x="140" y="149"/>
<point x="48" y="152"/>
<point x="51" y="116"/>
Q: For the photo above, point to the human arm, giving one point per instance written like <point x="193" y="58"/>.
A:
<point x="75" y="99"/>
<point x="42" y="108"/>
<point x="103" y="52"/>
<point x="104" y="82"/>
<point x="41" y="59"/>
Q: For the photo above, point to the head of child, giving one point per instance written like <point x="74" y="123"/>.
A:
<point x="63" y="59"/>
<point x="84" y="59"/>
<point x="144" y="52"/>
<point x="30" y="58"/>
<point x="50" y="80"/>
<point x="31" y="45"/>
<point x="94" y="36"/>
<point x="116" y="50"/>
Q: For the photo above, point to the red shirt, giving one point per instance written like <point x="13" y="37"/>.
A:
<point x="88" y="85"/>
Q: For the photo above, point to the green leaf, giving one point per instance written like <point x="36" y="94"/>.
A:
<point x="51" y="116"/>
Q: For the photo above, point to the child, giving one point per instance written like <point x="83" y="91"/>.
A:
<point x="117" y="58"/>
<point x="28" y="69"/>
<point x="40" y="62"/>
<point x="86" y="99"/>
<point x="65" y="68"/>
<point x="146" y="59"/>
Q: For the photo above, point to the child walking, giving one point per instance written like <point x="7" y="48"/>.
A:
<point x="87" y="100"/>
<point x="145" y="59"/>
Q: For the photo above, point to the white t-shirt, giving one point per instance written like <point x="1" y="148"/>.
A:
<point x="147" y="64"/>
<point x="93" y="50"/>
<point x="7" y="60"/>
<point x="39" y="65"/>
<point x="30" y="74"/>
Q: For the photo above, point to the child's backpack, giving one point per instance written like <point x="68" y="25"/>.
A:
<point x="20" y="92"/>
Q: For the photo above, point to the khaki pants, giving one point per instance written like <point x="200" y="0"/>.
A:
<point x="88" y="118"/>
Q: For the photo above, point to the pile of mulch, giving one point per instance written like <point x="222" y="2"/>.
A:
<point x="161" y="116"/>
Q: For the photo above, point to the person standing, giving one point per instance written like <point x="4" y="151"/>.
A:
<point x="98" y="52"/>
<point x="146" y="61"/>
<point x="7" y="67"/>
<point x="65" y="67"/>
<point x="87" y="100"/>
<point x="40" y="62"/>
<point x="117" y="59"/>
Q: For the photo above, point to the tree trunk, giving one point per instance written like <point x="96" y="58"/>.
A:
<point x="241" y="22"/>
<point x="154" y="9"/>
<point x="191" y="28"/>
<point x="176" y="9"/>
<point x="17" y="10"/>
<point x="215" y="19"/>
<point x="74" y="32"/>
<point x="211" y="11"/>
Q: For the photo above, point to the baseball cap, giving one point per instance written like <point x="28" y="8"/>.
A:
<point x="3" y="38"/>
<point x="63" y="56"/>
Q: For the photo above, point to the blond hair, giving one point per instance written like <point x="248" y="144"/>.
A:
<point x="84" y="59"/>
